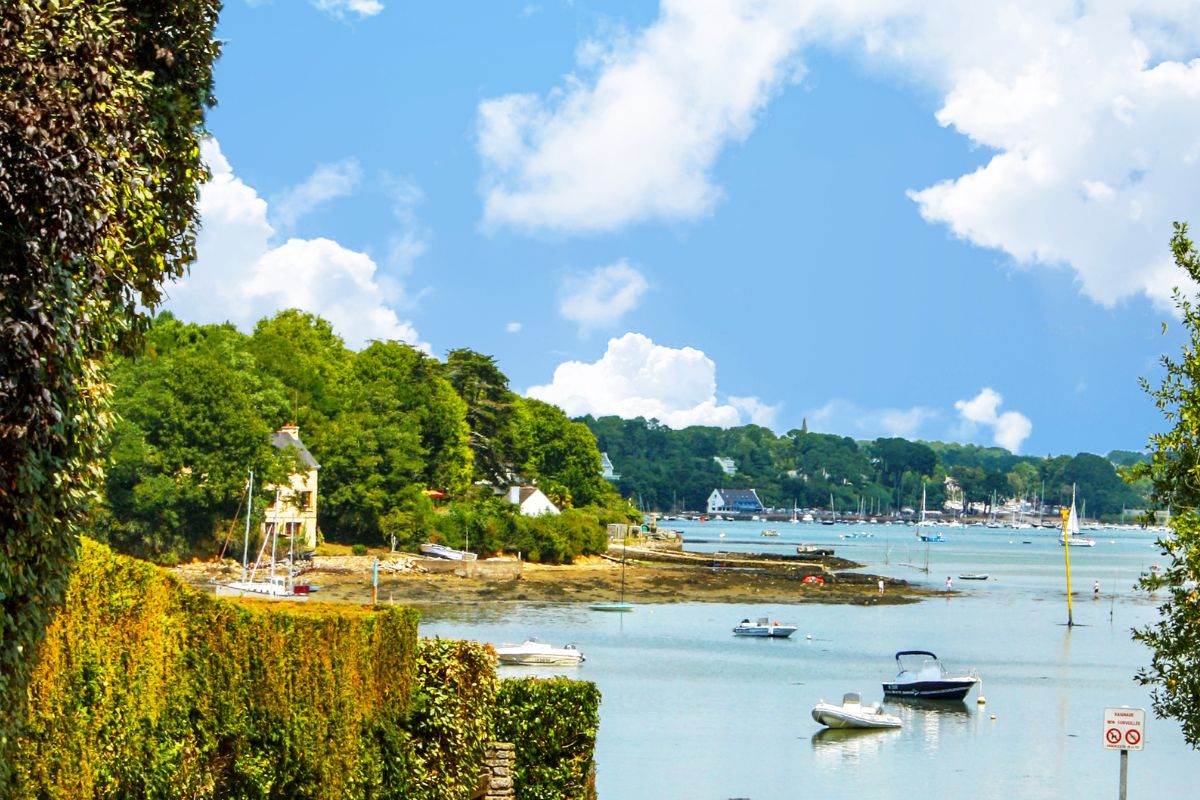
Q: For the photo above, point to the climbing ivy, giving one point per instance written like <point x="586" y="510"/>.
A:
<point x="101" y="105"/>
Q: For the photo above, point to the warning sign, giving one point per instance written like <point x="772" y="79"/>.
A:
<point x="1124" y="728"/>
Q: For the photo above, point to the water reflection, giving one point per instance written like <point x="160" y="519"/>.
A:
<point x="932" y="719"/>
<point x="832" y="746"/>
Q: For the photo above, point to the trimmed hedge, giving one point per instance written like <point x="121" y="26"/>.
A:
<point x="146" y="688"/>
<point x="553" y="722"/>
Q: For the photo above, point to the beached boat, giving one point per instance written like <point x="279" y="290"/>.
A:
<point x="441" y="551"/>
<point x="764" y="627"/>
<point x="853" y="714"/>
<point x="814" y="550"/>
<point x="929" y="680"/>
<point x="532" y="653"/>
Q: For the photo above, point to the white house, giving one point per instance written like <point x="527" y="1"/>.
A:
<point x="531" y="500"/>
<point x="737" y="501"/>
<point x="607" y="471"/>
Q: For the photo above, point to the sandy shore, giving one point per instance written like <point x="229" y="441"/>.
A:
<point x="648" y="578"/>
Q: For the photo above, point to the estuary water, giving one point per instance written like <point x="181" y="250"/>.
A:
<point x="690" y="711"/>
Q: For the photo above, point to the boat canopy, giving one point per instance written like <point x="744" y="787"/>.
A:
<point x="915" y="653"/>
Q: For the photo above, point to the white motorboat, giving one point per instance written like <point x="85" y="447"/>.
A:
<point x="929" y="681"/>
<point x="853" y="714"/>
<point x="532" y="653"/>
<point x="441" y="551"/>
<point x="764" y="627"/>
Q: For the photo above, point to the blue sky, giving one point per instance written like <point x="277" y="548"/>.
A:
<point x="888" y="217"/>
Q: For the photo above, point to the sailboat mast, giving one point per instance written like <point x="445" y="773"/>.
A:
<point x="1066" y="518"/>
<point x="249" y="510"/>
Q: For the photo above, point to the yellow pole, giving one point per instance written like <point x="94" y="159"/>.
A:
<point x="1067" y="554"/>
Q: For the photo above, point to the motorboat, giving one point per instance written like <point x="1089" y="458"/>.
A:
<point x="770" y="532"/>
<point x="973" y="576"/>
<point x="928" y="679"/>
<point x="813" y="550"/>
<point x="764" y="627"/>
<point x="441" y="551"/>
<point x="532" y="653"/>
<point x="853" y="714"/>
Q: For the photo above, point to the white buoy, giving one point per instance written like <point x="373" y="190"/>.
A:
<point x="981" y="700"/>
<point x="808" y="636"/>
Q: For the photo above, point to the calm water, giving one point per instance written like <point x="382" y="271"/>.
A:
<point x="689" y="711"/>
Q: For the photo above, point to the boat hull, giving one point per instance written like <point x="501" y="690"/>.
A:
<point x="615" y="607"/>
<point x="839" y="717"/>
<point x="535" y="654"/>
<point x="950" y="689"/>
<point x="765" y="631"/>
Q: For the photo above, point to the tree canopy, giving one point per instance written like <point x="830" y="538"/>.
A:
<point x="1174" y="474"/>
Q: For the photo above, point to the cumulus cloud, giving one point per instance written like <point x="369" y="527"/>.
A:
<point x="638" y="378"/>
<point x="638" y="138"/>
<point x="847" y="418"/>
<point x="340" y="8"/>
<point x="327" y="182"/>
<point x="1009" y="428"/>
<point x="755" y="411"/>
<point x="1090" y="109"/>
<point x="241" y="275"/>
<point x="600" y="297"/>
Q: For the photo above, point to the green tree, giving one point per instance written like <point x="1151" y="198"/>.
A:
<point x="302" y="351"/>
<point x="484" y="388"/>
<point x="194" y="415"/>
<point x="1174" y="473"/>
<point x="101" y="107"/>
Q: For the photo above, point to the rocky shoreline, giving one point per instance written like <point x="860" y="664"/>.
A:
<point x="650" y="576"/>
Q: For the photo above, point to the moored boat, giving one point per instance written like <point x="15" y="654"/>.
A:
<point x="764" y="627"/>
<point x="928" y="680"/>
<point x="973" y="576"/>
<point x="853" y="714"/>
<point x="532" y="653"/>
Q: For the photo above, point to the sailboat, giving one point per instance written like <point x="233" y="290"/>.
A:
<point x="921" y="533"/>
<point x="794" y="520"/>
<point x="621" y="605"/>
<point x="832" y="510"/>
<point x="1072" y="528"/>
<point x="273" y="587"/>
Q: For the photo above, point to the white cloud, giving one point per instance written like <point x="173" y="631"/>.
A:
<point x="846" y="418"/>
<point x="637" y="378"/>
<point x="339" y="8"/>
<point x="756" y="411"/>
<point x="327" y="182"/>
<point x="600" y="297"/>
<point x="512" y="327"/>
<point x="1091" y="110"/>
<point x="241" y="276"/>
<point x="1009" y="429"/>
<point x="638" y="140"/>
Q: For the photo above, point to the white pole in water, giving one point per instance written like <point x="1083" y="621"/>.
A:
<point x="249" y="509"/>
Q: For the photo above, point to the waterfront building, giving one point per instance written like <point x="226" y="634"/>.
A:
<point x="736" y="501"/>
<point x="531" y="500"/>
<point x="293" y="512"/>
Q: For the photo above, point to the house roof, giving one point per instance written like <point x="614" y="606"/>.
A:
<point x="733" y="495"/>
<point x="284" y="440"/>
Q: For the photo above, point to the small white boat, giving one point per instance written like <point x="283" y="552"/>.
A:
<point x="1077" y="541"/>
<point x="853" y="714"/>
<point x="764" y="627"/>
<point x="532" y="653"/>
<point x="973" y="576"/>
<point x="770" y="532"/>
<point x="441" y="551"/>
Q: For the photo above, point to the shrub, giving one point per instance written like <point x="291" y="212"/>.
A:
<point x="553" y="723"/>
<point x="359" y="549"/>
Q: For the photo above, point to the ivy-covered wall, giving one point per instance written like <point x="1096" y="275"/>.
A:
<point x="553" y="723"/>
<point x="147" y="688"/>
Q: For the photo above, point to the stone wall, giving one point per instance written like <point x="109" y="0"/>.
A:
<point x="496" y="782"/>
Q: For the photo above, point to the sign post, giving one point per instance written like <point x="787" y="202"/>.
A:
<point x="1124" y="730"/>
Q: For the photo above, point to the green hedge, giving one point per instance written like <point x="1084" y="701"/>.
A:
<point x="553" y="723"/>
<point x="146" y="688"/>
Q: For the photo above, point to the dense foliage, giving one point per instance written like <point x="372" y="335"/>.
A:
<point x="391" y="427"/>
<point x="1174" y="471"/>
<point x="100" y="109"/>
<point x="553" y="722"/>
<point x="145" y="688"/>
<point x="667" y="470"/>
